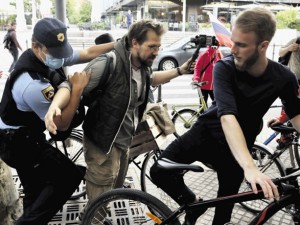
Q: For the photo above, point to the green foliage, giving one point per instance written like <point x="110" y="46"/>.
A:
<point x="286" y="19"/>
<point x="72" y="12"/>
<point x="295" y="24"/>
<point x="85" y="11"/>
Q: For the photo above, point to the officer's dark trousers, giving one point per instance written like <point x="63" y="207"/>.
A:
<point x="199" y="145"/>
<point x="49" y="178"/>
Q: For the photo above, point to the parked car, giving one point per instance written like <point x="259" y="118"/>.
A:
<point x="179" y="52"/>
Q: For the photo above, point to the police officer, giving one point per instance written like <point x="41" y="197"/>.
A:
<point x="48" y="176"/>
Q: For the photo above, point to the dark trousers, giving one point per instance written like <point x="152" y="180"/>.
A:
<point x="207" y="93"/>
<point x="15" y="54"/>
<point x="199" y="145"/>
<point x="48" y="177"/>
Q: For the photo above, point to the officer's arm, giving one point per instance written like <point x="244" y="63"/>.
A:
<point x="61" y="121"/>
<point x="59" y="101"/>
<point x="88" y="54"/>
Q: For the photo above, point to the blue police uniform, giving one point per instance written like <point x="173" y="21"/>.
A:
<point x="48" y="177"/>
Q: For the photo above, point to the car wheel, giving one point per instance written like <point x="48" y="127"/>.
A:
<point x="167" y="64"/>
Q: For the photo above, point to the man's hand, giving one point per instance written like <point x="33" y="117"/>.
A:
<point x="273" y="122"/>
<point x="293" y="47"/>
<point x="80" y="79"/>
<point x="254" y="177"/>
<point x="184" y="68"/>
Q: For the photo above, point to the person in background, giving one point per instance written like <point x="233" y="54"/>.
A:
<point x="36" y="90"/>
<point x="246" y="84"/>
<point x="204" y="70"/>
<point x="129" y="19"/>
<point x="15" y="45"/>
<point x="294" y="62"/>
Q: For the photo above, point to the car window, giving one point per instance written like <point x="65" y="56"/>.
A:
<point x="191" y="44"/>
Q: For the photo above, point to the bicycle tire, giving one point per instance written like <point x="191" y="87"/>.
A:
<point x="75" y="153"/>
<point x="182" y="126"/>
<point x="269" y="166"/>
<point x="297" y="150"/>
<point x="127" y="206"/>
<point x="148" y="186"/>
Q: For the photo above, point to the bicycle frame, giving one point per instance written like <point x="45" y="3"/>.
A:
<point x="278" y="153"/>
<point x="289" y="195"/>
<point x="201" y="107"/>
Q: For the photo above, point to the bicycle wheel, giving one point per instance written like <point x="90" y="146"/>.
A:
<point x="147" y="184"/>
<point x="72" y="147"/>
<point x="127" y="206"/>
<point x="268" y="165"/>
<point x="297" y="150"/>
<point x="183" y="120"/>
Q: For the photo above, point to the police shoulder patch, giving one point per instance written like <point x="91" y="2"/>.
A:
<point x="48" y="93"/>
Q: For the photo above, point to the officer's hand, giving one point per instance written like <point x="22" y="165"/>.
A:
<point x="49" y="118"/>
<point x="80" y="79"/>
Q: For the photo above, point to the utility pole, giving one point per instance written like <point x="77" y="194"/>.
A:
<point x="60" y="10"/>
<point x="21" y="22"/>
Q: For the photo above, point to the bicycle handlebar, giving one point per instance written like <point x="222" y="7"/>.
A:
<point x="198" y="84"/>
<point x="283" y="128"/>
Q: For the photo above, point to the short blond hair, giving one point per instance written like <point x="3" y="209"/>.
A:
<point x="259" y="20"/>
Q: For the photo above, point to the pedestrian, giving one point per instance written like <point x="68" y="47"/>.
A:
<point x="293" y="47"/>
<point x="111" y="121"/>
<point x="129" y="19"/>
<point x="14" y="45"/>
<point x="245" y="86"/>
<point x="204" y="70"/>
<point x="33" y="93"/>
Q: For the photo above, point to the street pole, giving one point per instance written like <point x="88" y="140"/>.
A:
<point x="60" y="10"/>
<point x="60" y="13"/>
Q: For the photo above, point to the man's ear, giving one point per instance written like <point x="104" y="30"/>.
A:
<point x="134" y="43"/>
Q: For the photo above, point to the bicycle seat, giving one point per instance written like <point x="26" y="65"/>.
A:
<point x="171" y="165"/>
<point x="283" y="128"/>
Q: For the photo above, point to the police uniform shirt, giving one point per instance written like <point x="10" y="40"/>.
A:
<point x="35" y="95"/>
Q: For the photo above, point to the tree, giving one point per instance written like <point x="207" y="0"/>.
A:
<point x="85" y="11"/>
<point x="72" y="12"/>
<point x="286" y="18"/>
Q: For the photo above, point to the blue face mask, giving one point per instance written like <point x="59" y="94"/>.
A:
<point x="52" y="62"/>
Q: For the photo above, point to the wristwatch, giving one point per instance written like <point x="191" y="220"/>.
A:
<point x="178" y="71"/>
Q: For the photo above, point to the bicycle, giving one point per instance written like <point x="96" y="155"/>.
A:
<point x="263" y="157"/>
<point x="183" y="119"/>
<point x="272" y="160"/>
<point x="127" y="206"/>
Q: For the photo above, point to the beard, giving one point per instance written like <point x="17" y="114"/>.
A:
<point x="250" y="61"/>
<point x="145" y="62"/>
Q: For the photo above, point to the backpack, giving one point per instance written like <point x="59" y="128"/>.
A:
<point x="286" y="58"/>
<point x="7" y="40"/>
<point x="97" y="84"/>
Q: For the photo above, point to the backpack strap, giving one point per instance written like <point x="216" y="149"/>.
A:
<point x="210" y="62"/>
<point x="110" y="64"/>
